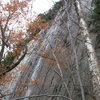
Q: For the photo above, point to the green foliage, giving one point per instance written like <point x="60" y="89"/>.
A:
<point x="30" y="63"/>
<point x="8" y="59"/>
<point x="97" y="10"/>
<point x="27" y="40"/>
<point x="96" y="16"/>
<point x="96" y="2"/>
<point x="45" y="17"/>
<point x="95" y="22"/>
<point x="52" y="12"/>
<point x="97" y="44"/>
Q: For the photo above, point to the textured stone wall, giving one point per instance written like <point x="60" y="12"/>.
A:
<point x="39" y="71"/>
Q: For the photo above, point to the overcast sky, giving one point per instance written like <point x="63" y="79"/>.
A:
<point x="35" y="7"/>
<point x="41" y="6"/>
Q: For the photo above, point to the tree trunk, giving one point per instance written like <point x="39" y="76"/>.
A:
<point x="93" y="64"/>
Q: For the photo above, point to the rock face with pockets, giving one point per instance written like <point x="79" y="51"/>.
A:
<point x="38" y="73"/>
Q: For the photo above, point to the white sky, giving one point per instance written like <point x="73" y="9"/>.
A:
<point x="41" y="6"/>
<point x="35" y="7"/>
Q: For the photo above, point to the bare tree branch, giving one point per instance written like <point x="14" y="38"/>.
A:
<point x="93" y="64"/>
<point x="15" y="64"/>
<point x="75" y="54"/>
<point x="42" y="95"/>
<point x="3" y="36"/>
<point x="3" y="41"/>
<point x="61" y="74"/>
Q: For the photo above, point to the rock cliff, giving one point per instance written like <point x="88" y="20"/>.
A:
<point x="48" y="71"/>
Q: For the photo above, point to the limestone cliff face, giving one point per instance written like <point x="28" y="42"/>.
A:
<point x="39" y="72"/>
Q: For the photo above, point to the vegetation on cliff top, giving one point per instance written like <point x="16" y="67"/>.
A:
<point x="96" y="21"/>
<point x="14" y="39"/>
<point x="52" y="12"/>
<point x="96" y="16"/>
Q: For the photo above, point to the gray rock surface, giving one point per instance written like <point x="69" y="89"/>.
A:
<point x="38" y="72"/>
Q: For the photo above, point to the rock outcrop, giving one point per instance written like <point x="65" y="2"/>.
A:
<point x="48" y="71"/>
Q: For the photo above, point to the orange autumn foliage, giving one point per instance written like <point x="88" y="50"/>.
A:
<point x="37" y="25"/>
<point x="37" y="80"/>
<point x="16" y="53"/>
<point x="10" y="34"/>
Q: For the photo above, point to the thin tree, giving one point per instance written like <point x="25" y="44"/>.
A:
<point x="93" y="64"/>
<point x="9" y="14"/>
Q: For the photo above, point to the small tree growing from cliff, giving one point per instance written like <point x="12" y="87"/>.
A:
<point x="35" y="27"/>
<point x="11" y="38"/>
